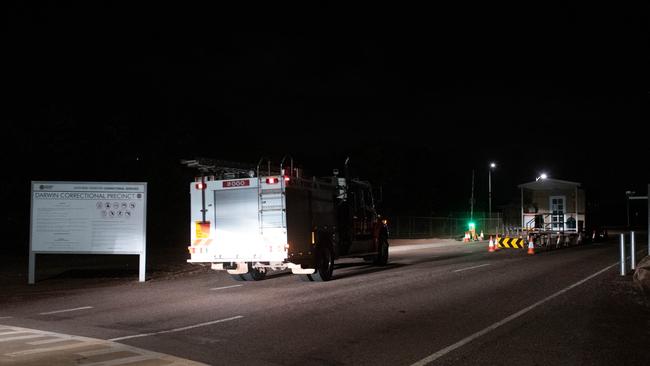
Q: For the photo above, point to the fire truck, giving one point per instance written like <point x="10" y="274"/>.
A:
<point x="250" y="220"/>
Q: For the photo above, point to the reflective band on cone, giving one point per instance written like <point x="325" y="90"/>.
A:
<point x="531" y="246"/>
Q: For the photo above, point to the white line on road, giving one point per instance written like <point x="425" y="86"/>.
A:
<point x="50" y="341"/>
<point x="494" y="326"/>
<point x="225" y="287"/>
<point x="9" y="331"/>
<point x="122" y="361"/>
<point x="66" y="310"/>
<point x="406" y="248"/>
<point x="53" y="349"/>
<point x="480" y="265"/>
<point x="177" y="329"/>
<point x="6" y="317"/>
<point x="29" y="336"/>
<point x="98" y="352"/>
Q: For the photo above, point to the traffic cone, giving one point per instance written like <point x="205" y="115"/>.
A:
<point x="466" y="238"/>
<point x="481" y="237"/>
<point x="531" y="246"/>
<point x="491" y="245"/>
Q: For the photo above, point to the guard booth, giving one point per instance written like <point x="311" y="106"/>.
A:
<point x="552" y="205"/>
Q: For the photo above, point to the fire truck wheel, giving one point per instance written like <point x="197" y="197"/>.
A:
<point x="324" y="265"/>
<point x="254" y="274"/>
<point x="382" y="253"/>
<point x="237" y="277"/>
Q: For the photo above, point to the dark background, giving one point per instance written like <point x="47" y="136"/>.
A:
<point x="418" y="97"/>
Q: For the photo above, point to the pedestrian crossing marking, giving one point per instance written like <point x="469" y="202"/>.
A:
<point x="17" y="346"/>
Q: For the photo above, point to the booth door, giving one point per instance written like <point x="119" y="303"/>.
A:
<point x="557" y="212"/>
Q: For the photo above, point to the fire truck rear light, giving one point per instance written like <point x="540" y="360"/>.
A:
<point x="272" y="180"/>
<point x="200" y="186"/>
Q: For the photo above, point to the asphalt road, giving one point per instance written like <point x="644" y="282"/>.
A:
<point x="440" y="304"/>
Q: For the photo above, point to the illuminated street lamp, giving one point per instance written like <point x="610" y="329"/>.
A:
<point x="541" y="176"/>
<point x="492" y="166"/>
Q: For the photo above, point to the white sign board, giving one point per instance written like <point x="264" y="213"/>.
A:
<point x="88" y="218"/>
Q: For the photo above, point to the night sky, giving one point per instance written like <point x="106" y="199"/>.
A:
<point x="417" y="97"/>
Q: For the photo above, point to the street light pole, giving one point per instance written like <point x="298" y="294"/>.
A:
<point x="492" y="166"/>
<point x="471" y="200"/>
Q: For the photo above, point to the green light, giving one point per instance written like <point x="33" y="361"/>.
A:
<point x="472" y="226"/>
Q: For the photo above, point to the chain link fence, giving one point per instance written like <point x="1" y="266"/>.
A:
<point x="415" y="227"/>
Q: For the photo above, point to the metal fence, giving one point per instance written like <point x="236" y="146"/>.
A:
<point x="414" y="227"/>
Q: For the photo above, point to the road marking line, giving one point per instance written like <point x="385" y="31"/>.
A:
<point x="66" y="310"/>
<point x="225" y="287"/>
<point x="480" y="265"/>
<point x="121" y="361"/>
<point x="406" y="248"/>
<point x="48" y="341"/>
<point x="176" y="329"/>
<point x="7" y="332"/>
<point x="22" y="337"/>
<point x="6" y="317"/>
<point x="101" y="351"/>
<point x="506" y="320"/>
<point x="82" y="343"/>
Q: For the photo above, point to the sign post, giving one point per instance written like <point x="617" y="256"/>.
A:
<point x="88" y="218"/>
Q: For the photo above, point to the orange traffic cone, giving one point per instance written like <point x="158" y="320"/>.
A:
<point x="491" y="245"/>
<point x="466" y="239"/>
<point x="531" y="246"/>
<point x="481" y="237"/>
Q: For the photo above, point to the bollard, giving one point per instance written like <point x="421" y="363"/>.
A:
<point x="632" y="251"/>
<point x="622" y="254"/>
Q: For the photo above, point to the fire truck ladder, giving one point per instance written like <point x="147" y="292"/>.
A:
<point x="270" y="201"/>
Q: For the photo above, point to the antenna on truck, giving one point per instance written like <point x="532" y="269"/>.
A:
<point x="220" y="168"/>
<point x="268" y="165"/>
<point x="282" y="165"/>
